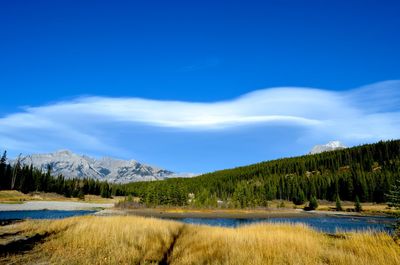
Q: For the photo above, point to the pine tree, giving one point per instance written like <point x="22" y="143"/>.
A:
<point x="394" y="201"/>
<point x="81" y="195"/>
<point x="26" y="183"/>
<point x="300" y="198"/>
<point x="338" y="203"/>
<point x="105" y="190"/>
<point x="313" y="204"/>
<point x="3" y="166"/>
<point x="357" y="205"/>
<point x="394" y="195"/>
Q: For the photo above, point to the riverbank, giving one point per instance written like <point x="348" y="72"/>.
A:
<point x="138" y="240"/>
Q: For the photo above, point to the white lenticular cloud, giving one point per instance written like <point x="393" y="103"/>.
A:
<point x="364" y="114"/>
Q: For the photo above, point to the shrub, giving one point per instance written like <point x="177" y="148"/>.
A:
<point x="312" y="204"/>
<point x="299" y="199"/>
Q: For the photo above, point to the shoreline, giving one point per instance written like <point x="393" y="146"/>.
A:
<point x="229" y="214"/>
<point x="108" y="209"/>
<point x="54" y="205"/>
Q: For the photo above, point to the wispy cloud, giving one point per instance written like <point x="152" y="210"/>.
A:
<point x="94" y="124"/>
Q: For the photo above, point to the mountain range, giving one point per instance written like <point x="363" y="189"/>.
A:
<point x="72" y="165"/>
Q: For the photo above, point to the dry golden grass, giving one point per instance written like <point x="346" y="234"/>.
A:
<point x="138" y="240"/>
<point x="13" y="196"/>
<point x="368" y="207"/>
<point x="282" y="244"/>
<point x="7" y="196"/>
<point x="98" y="240"/>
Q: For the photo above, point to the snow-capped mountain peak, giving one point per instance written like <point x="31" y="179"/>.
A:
<point x="330" y="146"/>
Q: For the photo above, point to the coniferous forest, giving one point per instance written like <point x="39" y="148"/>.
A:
<point x="365" y="172"/>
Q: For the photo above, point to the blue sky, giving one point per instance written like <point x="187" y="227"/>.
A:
<point x="172" y="83"/>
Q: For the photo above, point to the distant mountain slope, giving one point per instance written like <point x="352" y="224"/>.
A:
<point x="331" y="146"/>
<point x="71" y="165"/>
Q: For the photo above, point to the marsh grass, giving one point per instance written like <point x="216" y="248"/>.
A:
<point x="138" y="240"/>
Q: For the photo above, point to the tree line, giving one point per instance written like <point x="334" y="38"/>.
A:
<point x="26" y="178"/>
<point x="364" y="172"/>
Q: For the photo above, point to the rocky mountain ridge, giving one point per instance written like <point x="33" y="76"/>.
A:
<point x="72" y="165"/>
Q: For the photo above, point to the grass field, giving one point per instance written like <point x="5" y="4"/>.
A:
<point x="13" y="196"/>
<point x="138" y="240"/>
<point x="348" y="206"/>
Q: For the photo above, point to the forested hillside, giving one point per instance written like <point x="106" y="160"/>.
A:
<point x="366" y="171"/>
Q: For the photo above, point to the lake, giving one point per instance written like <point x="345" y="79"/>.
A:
<point x="328" y="224"/>
<point x="42" y="214"/>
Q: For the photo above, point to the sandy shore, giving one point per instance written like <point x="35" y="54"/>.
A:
<point x="53" y="205"/>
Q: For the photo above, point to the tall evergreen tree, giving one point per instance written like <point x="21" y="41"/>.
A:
<point x="394" y="201"/>
<point x="3" y="176"/>
<point x="313" y="204"/>
<point x="338" y="203"/>
<point x="105" y="190"/>
<point x="357" y="205"/>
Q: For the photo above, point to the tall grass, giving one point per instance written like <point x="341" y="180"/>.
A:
<point x="137" y="240"/>
<point x="283" y="244"/>
<point x="12" y="196"/>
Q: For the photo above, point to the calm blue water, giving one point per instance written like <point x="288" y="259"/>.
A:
<point x="41" y="214"/>
<point x="328" y="224"/>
